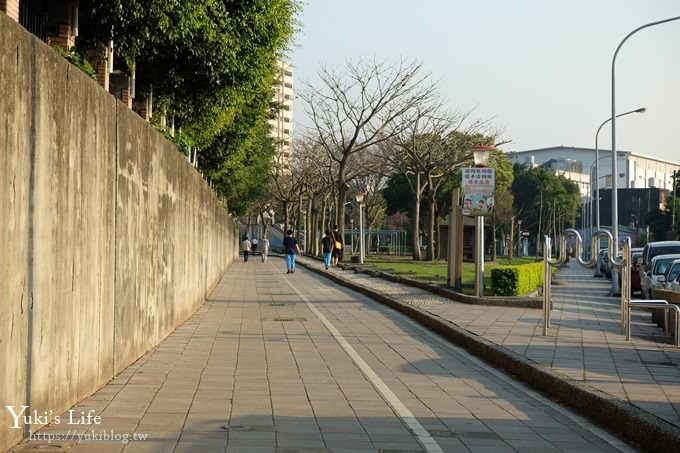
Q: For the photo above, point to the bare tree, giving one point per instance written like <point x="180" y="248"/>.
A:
<point x="428" y="152"/>
<point x="360" y="108"/>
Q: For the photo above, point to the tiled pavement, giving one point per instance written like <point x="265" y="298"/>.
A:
<point x="584" y="341"/>
<point x="295" y="363"/>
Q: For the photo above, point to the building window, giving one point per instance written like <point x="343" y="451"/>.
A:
<point x="288" y="85"/>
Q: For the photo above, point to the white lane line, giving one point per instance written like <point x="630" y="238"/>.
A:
<point x="521" y="387"/>
<point x="422" y="435"/>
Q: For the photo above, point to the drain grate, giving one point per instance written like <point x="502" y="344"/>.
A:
<point x="288" y="319"/>
<point x="660" y="363"/>
<point x="249" y="428"/>
<point x="281" y="304"/>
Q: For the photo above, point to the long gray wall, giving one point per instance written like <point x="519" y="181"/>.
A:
<point x="109" y="239"/>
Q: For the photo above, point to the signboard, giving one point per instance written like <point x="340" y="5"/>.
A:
<point x="478" y="188"/>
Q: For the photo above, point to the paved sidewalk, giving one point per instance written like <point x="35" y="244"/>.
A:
<point x="584" y="341"/>
<point x="296" y="363"/>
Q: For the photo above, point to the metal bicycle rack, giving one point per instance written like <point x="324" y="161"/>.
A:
<point x="624" y="264"/>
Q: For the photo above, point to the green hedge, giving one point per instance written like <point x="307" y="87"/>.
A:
<point x="516" y="280"/>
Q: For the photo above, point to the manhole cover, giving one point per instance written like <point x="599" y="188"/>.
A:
<point x="288" y="319"/>
<point x="441" y="433"/>
<point x="248" y="428"/>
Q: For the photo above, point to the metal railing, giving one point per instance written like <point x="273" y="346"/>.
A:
<point x="624" y="263"/>
<point x="549" y="262"/>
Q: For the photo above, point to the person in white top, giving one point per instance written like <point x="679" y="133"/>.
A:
<point x="245" y="248"/>
<point x="264" y="248"/>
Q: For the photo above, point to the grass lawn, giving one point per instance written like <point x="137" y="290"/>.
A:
<point x="436" y="272"/>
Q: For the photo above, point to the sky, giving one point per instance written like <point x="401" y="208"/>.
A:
<point x="539" y="69"/>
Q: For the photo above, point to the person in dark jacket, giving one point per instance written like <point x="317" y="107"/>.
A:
<point x="290" y="249"/>
<point x="328" y="244"/>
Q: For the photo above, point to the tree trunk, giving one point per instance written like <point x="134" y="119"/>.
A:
<point x="286" y="217"/>
<point x="512" y="239"/>
<point x="342" y="194"/>
<point x="416" y="221"/>
<point x="431" y="220"/>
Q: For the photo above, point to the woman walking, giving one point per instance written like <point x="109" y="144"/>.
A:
<point x="328" y="244"/>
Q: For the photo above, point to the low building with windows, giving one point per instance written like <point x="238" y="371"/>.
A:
<point x="635" y="170"/>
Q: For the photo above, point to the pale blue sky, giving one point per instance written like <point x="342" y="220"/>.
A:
<point x="541" y="69"/>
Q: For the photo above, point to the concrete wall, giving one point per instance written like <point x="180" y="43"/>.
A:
<point x="109" y="238"/>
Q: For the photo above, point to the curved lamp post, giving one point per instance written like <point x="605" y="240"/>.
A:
<point x="360" y="199"/>
<point x="615" y="173"/>
<point x="597" y="180"/>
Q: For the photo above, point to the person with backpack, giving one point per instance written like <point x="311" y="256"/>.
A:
<point x="290" y="249"/>
<point x="328" y="244"/>
<point x="337" y="247"/>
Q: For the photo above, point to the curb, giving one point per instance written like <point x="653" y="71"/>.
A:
<point x="497" y="301"/>
<point x="630" y="422"/>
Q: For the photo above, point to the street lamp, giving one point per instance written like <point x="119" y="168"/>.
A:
<point x="519" y="238"/>
<point x="615" y="184"/>
<point x="360" y="199"/>
<point x="480" y="154"/>
<point x="597" y="180"/>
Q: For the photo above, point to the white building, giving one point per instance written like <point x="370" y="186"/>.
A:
<point x="635" y="170"/>
<point x="282" y="125"/>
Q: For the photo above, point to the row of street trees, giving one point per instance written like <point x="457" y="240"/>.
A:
<point x="211" y="66"/>
<point x="375" y="125"/>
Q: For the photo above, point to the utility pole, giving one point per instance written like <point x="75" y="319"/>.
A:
<point x="540" y="219"/>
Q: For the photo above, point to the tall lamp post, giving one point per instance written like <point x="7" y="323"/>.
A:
<point x="481" y="158"/>
<point x="597" y="178"/>
<point x="519" y="238"/>
<point x="615" y="172"/>
<point x="360" y="199"/>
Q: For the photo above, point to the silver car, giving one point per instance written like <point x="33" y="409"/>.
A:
<point x="671" y="274"/>
<point x="651" y="277"/>
<point x="675" y="285"/>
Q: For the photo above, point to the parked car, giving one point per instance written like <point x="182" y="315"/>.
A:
<point x="658" y="248"/>
<point x="636" y="259"/>
<point x="605" y="268"/>
<point x="653" y="276"/>
<point x="675" y="285"/>
<point x="671" y="274"/>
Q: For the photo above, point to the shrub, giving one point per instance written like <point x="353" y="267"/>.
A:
<point x="76" y="58"/>
<point x="516" y="280"/>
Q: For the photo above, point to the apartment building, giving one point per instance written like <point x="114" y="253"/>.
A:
<point x="282" y="125"/>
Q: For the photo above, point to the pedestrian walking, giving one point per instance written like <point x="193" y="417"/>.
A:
<point x="245" y="247"/>
<point x="253" y="247"/>
<point x="290" y="249"/>
<point x="328" y="244"/>
<point x="264" y="248"/>
<point x="337" y="246"/>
